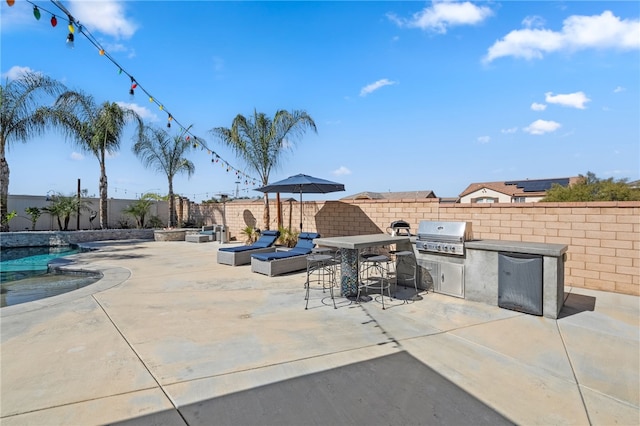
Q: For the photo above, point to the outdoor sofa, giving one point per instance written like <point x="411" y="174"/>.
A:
<point x="283" y="261"/>
<point x="241" y="255"/>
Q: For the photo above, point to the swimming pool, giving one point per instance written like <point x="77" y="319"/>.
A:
<point x="24" y="274"/>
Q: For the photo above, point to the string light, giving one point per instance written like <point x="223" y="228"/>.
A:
<point x="134" y="84"/>
<point x="11" y="2"/>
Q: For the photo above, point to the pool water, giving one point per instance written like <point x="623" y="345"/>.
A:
<point x="24" y="275"/>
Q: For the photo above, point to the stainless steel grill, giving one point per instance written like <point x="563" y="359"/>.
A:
<point x="443" y="237"/>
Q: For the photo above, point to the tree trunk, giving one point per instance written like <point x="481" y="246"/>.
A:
<point x="4" y="187"/>
<point x="172" y="206"/>
<point x="104" y="220"/>
<point x="104" y="223"/>
<point x="279" y="210"/>
<point x="266" y="216"/>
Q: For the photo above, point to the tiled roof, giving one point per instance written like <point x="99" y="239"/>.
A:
<point x="367" y="195"/>
<point x="519" y="188"/>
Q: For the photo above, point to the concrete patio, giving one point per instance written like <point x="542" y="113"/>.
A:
<point x="169" y="336"/>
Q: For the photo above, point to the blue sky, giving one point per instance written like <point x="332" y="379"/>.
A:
<point x="405" y="95"/>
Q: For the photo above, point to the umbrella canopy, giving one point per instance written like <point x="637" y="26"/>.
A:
<point x="300" y="184"/>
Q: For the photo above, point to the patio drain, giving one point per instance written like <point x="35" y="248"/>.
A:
<point x="245" y="316"/>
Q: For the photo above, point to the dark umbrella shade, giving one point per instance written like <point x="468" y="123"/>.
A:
<point x="300" y="184"/>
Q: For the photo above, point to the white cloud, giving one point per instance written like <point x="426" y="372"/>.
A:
<point x="604" y="31"/>
<point x="533" y="22"/>
<point x="540" y="127"/>
<point x="341" y="171"/>
<point x="509" y="131"/>
<point x="484" y="139"/>
<point x="370" y="88"/>
<point x="619" y="89"/>
<point x="538" y="107"/>
<point x="143" y="112"/>
<point x="107" y="16"/>
<point x="444" y="14"/>
<point x="15" y="72"/>
<point x="575" y="100"/>
<point x="76" y="156"/>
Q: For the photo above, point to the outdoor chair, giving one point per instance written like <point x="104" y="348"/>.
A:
<point x="241" y="255"/>
<point x="283" y="261"/>
<point x="375" y="274"/>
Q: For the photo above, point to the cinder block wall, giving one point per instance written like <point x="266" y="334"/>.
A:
<point x="603" y="237"/>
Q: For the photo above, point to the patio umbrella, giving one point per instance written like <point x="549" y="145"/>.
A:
<point x="300" y="184"/>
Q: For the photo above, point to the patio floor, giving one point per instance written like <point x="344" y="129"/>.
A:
<point x="169" y="336"/>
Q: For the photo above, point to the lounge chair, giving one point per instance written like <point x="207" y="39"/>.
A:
<point x="241" y="255"/>
<point x="284" y="261"/>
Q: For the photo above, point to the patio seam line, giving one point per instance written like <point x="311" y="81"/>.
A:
<point x="462" y="327"/>
<point x="621" y="401"/>
<point x="141" y="360"/>
<point x="82" y="401"/>
<point x="564" y="346"/>
<point x="550" y="372"/>
<point x="229" y="373"/>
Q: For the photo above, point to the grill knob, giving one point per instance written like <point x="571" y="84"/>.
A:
<point x="453" y="249"/>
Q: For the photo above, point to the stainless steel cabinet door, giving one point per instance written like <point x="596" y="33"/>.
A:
<point x="451" y="280"/>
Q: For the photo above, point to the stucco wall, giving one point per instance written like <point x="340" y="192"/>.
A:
<point x="603" y="237"/>
<point x="47" y="222"/>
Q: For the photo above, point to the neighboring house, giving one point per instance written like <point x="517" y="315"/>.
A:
<point x="404" y="195"/>
<point x="516" y="191"/>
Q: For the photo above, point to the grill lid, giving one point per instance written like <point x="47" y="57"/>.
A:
<point x="444" y="231"/>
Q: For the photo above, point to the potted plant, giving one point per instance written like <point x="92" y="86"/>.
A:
<point x="250" y="234"/>
<point x="288" y="238"/>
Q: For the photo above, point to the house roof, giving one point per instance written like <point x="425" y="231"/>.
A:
<point x="368" y="195"/>
<point x="520" y="188"/>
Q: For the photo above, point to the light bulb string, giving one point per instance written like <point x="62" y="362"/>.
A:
<point x="170" y="117"/>
<point x="205" y="195"/>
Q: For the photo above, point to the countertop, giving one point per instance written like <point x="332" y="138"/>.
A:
<point x="544" y="249"/>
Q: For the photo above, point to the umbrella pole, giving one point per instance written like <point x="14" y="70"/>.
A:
<point x="300" y="211"/>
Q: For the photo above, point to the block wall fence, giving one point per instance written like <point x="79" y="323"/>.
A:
<point x="603" y="237"/>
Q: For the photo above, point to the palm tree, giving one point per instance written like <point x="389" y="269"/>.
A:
<point x="19" y="100"/>
<point x="140" y="209"/>
<point x="63" y="207"/>
<point x="96" y="129"/>
<point x="158" y="150"/>
<point x="260" y="141"/>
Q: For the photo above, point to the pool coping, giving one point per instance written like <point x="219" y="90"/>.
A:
<point x="111" y="277"/>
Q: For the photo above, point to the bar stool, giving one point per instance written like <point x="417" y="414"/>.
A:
<point x="406" y="269"/>
<point x="375" y="275"/>
<point x="321" y="271"/>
